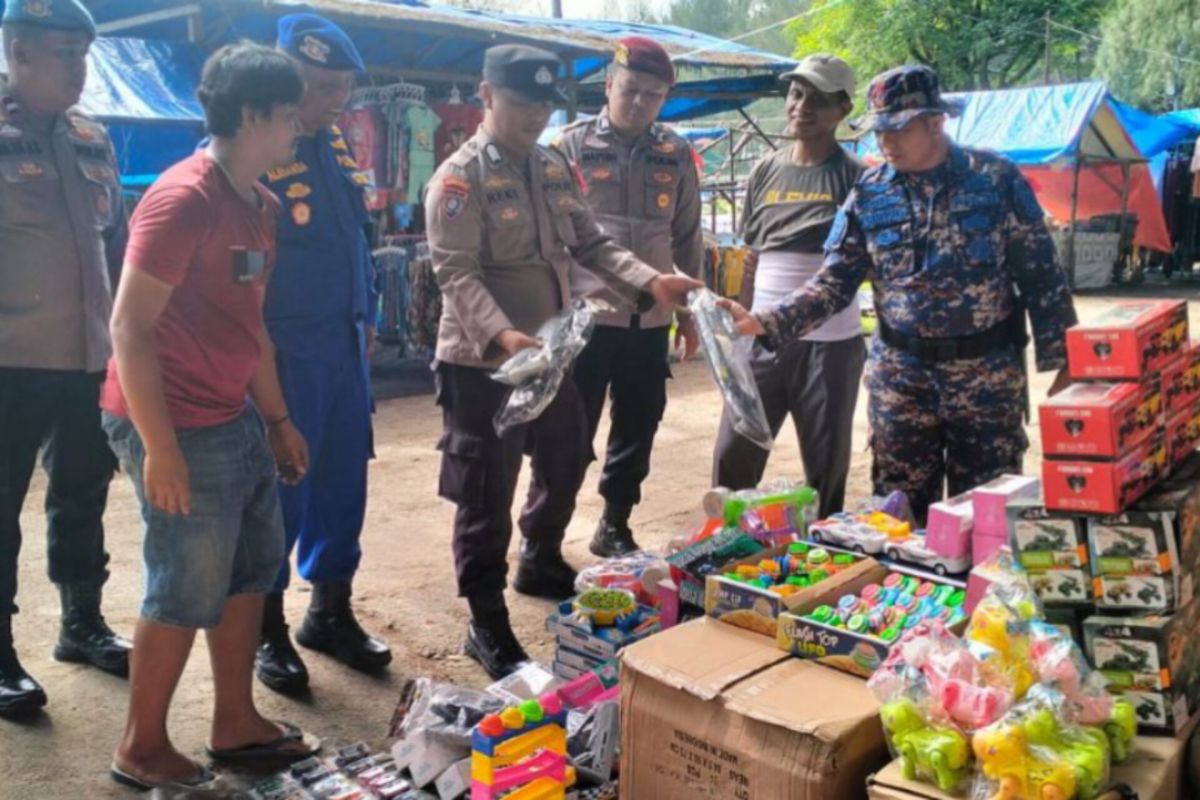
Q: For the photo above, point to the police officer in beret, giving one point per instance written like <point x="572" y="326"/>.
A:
<point x="956" y="247"/>
<point x="505" y="219"/>
<point x="319" y="310"/>
<point x="61" y="221"/>
<point x="641" y="181"/>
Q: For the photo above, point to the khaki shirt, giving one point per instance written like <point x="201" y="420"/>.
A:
<point x="645" y="193"/>
<point x="59" y="195"/>
<point x="503" y="244"/>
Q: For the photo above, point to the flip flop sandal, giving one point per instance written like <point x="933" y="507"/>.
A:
<point x="203" y="779"/>
<point x="276" y="749"/>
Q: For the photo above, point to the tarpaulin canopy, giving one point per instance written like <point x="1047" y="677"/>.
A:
<point x="1051" y="130"/>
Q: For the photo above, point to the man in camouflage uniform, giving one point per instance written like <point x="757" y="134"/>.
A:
<point x="641" y="181"/>
<point x="956" y="246"/>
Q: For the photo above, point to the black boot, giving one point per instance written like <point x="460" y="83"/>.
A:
<point x="330" y="628"/>
<point x="85" y="637"/>
<point x="20" y="695"/>
<point x="277" y="664"/>
<point x="613" y="537"/>
<point x="490" y="637"/>
<point x="542" y="571"/>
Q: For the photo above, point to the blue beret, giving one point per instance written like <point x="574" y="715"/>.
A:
<point x="68" y="15"/>
<point x="317" y="41"/>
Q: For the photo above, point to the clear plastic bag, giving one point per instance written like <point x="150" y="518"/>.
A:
<point x="446" y="711"/>
<point x="536" y="373"/>
<point x="639" y="572"/>
<point x="928" y="750"/>
<point x="730" y="367"/>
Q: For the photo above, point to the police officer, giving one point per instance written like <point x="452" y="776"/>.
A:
<point x="641" y="182"/>
<point x="956" y="247"/>
<point x="60" y="209"/>
<point x="505" y="218"/>
<point x="792" y="197"/>
<point x="319" y="311"/>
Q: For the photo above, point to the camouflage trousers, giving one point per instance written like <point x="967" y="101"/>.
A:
<point x="958" y="422"/>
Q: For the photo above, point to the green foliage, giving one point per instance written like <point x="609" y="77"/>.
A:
<point x="1156" y="81"/>
<point x="973" y="44"/>
<point x="729" y="19"/>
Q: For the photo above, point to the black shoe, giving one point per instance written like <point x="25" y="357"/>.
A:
<point x="542" y="572"/>
<point x="330" y="628"/>
<point x="613" y="537"/>
<point x="85" y="637"/>
<point x="492" y="643"/>
<point x="276" y="663"/>
<point x="20" y="694"/>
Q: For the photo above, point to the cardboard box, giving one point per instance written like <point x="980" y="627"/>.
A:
<point x="1178" y="500"/>
<point x="1183" y="433"/>
<point x="1155" y="661"/>
<point x="856" y="653"/>
<point x="1105" y="487"/>
<point x="758" y="609"/>
<point x="990" y="501"/>
<point x="949" y="526"/>
<point x="1063" y="586"/>
<point x="455" y="781"/>
<point x="1181" y="380"/>
<point x="714" y="712"/>
<point x="983" y="547"/>
<point x="1131" y="340"/>
<point x="1044" y="539"/>
<point x="1101" y="420"/>
<point x="1154" y="772"/>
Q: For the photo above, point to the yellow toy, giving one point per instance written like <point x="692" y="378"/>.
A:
<point x="1005" y="759"/>
<point x="887" y="524"/>
<point x="991" y="625"/>
<point x="521" y="753"/>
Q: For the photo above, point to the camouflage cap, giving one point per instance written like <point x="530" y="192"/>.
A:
<point x="899" y="95"/>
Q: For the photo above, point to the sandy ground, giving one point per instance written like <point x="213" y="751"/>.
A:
<point x="404" y="592"/>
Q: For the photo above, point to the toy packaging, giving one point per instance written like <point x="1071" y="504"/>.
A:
<point x="351" y="773"/>
<point x="776" y="513"/>
<point x="991" y="500"/>
<point x="1104" y="487"/>
<point x="753" y="593"/>
<point x="949" y="526"/>
<point x="1130" y="340"/>
<point x="1062" y="586"/>
<point x="1183" y="433"/>
<point x="878" y="533"/>
<point x="1101" y="420"/>
<point x="522" y="752"/>
<point x="1181" y="380"/>
<point x="1153" y="661"/>
<point x="590" y="635"/>
<point x="1052" y="546"/>
<point x="694" y="562"/>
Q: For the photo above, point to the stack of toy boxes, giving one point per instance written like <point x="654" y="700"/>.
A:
<point x="1181" y="396"/>
<point x="1105" y="440"/>
<point x="990" y="505"/>
<point x="1052" y="546"/>
<point x="581" y="645"/>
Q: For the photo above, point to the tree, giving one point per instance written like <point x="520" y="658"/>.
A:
<point x="1168" y="78"/>
<point x="973" y="44"/>
<point x="728" y="19"/>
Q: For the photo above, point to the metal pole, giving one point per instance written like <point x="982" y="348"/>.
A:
<point x="556" y="9"/>
<point x="572" y="91"/>
<point x="1074" y="216"/>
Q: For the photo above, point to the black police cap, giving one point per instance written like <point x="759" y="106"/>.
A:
<point x="529" y="71"/>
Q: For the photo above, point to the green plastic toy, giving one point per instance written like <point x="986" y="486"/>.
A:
<point x="1085" y="749"/>
<point x="937" y="754"/>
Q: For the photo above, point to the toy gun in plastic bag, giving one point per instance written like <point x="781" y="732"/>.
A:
<point x="730" y="367"/>
<point x="536" y="373"/>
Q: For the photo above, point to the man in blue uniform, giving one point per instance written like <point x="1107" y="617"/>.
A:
<point x="320" y="314"/>
<point x="957" y="250"/>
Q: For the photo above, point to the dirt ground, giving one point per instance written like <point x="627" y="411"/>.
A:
<point x="404" y="591"/>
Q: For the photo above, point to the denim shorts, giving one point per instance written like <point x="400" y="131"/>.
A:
<point x="231" y="543"/>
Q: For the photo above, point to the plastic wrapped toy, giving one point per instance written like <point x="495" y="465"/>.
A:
<point x="1001" y="625"/>
<point x="639" y="572"/>
<point x="536" y="373"/>
<point x="730" y="367"/>
<point x="935" y="753"/>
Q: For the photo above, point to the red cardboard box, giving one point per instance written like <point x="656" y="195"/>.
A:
<point x="1101" y="420"/>
<point x="1183" y="433"/>
<point x="1130" y="340"/>
<point x="1181" y="380"/>
<point x="1105" y="487"/>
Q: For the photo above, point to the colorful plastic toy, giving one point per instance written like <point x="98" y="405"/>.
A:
<point x="1121" y="729"/>
<point x="1018" y="774"/>
<point x="521" y="753"/>
<point x="605" y="606"/>
<point x="843" y="530"/>
<point x="1085" y="749"/>
<point x="771" y="515"/>
<point x="887" y="610"/>
<point x="995" y="625"/>
<point x="802" y="567"/>
<point x="936" y="753"/>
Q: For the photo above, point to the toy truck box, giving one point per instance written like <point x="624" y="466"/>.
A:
<point x="949" y="526"/>
<point x="1052" y="546"/>
<point x="1104" y="487"/>
<point x="1101" y="420"/>
<point x="1062" y="586"/>
<point x="1131" y="340"/>
<point x="991" y="500"/>
<point x="1181" y="380"/>
<point x="1183" y="433"/>
<point x="692" y="564"/>
<point x="1154" y="661"/>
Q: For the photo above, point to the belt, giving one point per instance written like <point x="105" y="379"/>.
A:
<point x="1008" y="333"/>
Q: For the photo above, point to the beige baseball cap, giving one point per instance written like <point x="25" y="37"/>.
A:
<point x="824" y="71"/>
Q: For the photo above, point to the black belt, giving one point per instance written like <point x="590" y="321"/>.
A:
<point x="1009" y="333"/>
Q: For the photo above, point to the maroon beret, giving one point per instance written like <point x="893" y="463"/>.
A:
<point x="645" y="55"/>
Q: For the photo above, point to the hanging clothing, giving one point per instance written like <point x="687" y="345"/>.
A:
<point x="422" y="125"/>
<point x="459" y="121"/>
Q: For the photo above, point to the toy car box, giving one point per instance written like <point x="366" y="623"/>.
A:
<point x="1104" y="487"/>
<point x="1042" y="538"/>
<point x="757" y="609"/>
<point x="949" y="526"/>
<point x="990" y="503"/>
<point x="1183" y="433"/>
<point x="1130" y="340"/>
<point x="1153" y="660"/>
<point x="1101" y="420"/>
<point x="693" y="563"/>
<point x="1181" y="380"/>
<point x="856" y="653"/>
<point x="1062" y="586"/>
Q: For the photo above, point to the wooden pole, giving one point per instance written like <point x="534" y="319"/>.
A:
<point x="1074" y="216"/>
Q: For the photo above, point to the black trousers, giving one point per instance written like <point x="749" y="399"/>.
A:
<point x="631" y="364"/>
<point x="816" y="383"/>
<point x="479" y="472"/>
<point x="60" y="412"/>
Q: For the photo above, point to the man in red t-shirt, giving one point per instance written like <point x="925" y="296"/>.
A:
<point x="190" y="345"/>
